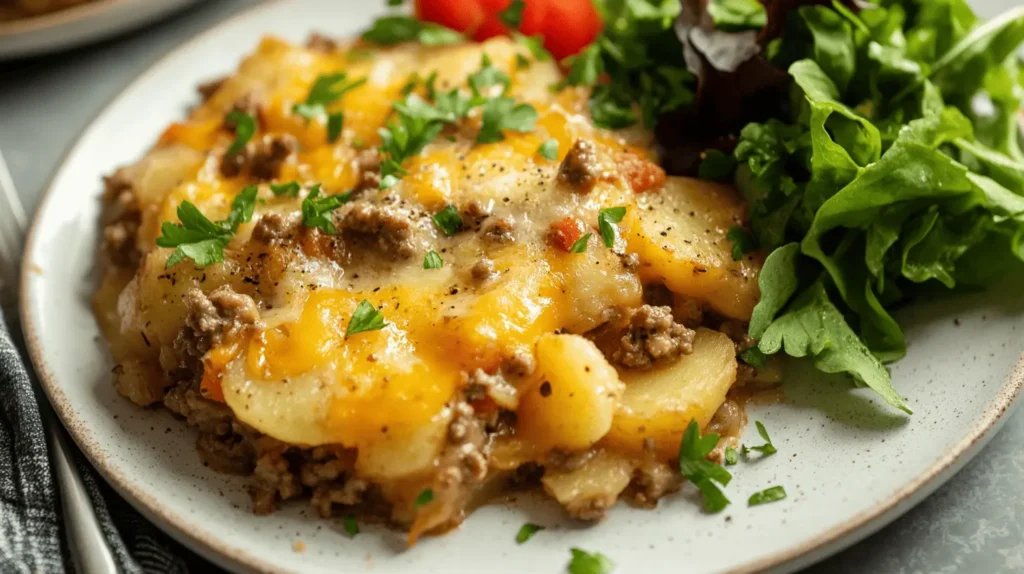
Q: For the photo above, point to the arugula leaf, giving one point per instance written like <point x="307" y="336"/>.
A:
<point x="527" y="531"/>
<point x="316" y="209"/>
<point x="245" y="128"/>
<point x="367" y="318"/>
<point x="812" y="327"/>
<point x="432" y="260"/>
<point x="716" y="166"/>
<point x="771" y="494"/>
<point x="503" y="114"/>
<point x="693" y="464"/>
<point x="606" y="220"/>
<point x="778" y="283"/>
<point x="737" y="15"/>
<point x="584" y="562"/>
<point x="580" y="245"/>
<point x="587" y="67"/>
<point x="610" y="108"/>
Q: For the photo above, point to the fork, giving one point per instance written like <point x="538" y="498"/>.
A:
<point x="88" y="548"/>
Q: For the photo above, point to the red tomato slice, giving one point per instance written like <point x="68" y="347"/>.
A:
<point x="569" y="25"/>
<point x="462" y="15"/>
<point x="532" y="22"/>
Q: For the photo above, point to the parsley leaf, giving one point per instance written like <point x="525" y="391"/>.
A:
<point x="390" y="30"/>
<point x="350" y="525"/>
<point x="693" y="464"/>
<point x="549" y="149"/>
<point x="425" y="497"/>
<point x="432" y="260"/>
<point x="527" y="531"/>
<point x="767" y="448"/>
<point x="367" y="318"/>
<point x="580" y="245"/>
<point x="535" y="44"/>
<point x="201" y="240"/>
<point x="417" y="124"/>
<point x="327" y="89"/>
<point x="742" y="242"/>
<point x="772" y="494"/>
<point x="316" y="209"/>
<point x="290" y="189"/>
<point x="731" y="456"/>
<point x="513" y="15"/>
<point x="245" y="128"/>
<point x="584" y="562"/>
<point x="611" y="109"/>
<point x="606" y="220"/>
<point x="335" y="123"/>
<point x="448" y="220"/>
<point x="502" y="114"/>
<point x="486" y="77"/>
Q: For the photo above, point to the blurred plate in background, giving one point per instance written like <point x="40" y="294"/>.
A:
<point x="77" y="25"/>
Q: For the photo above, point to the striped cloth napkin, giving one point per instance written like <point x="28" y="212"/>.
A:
<point x="31" y="540"/>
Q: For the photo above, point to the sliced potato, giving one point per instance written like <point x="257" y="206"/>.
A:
<point x="659" y="404"/>
<point x="588" y="491"/>
<point x="679" y="233"/>
<point x="571" y="400"/>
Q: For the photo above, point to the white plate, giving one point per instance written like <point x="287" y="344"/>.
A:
<point x="849" y="464"/>
<point x="80" y="24"/>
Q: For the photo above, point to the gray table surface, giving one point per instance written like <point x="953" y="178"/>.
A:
<point x="975" y="523"/>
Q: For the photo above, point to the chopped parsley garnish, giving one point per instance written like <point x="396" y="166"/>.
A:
<point x="201" y="240"/>
<point x="584" y="562"/>
<point x="606" y="220"/>
<point x="425" y="497"/>
<point x="742" y="242"/>
<point x="731" y="456"/>
<point x="549" y="149"/>
<point x="501" y="114"/>
<point x="586" y="67"/>
<point x="772" y="494"/>
<point x="316" y="209"/>
<point x="513" y="15"/>
<point x="290" y="189"/>
<point x="767" y="448"/>
<point x="326" y="90"/>
<point x="610" y="109"/>
<point x="350" y="525"/>
<point x="737" y="15"/>
<point x="417" y="124"/>
<point x="448" y="220"/>
<point x="245" y="128"/>
<point x="366" y="318"/>
<point x="527" y="531"/>
<point x="432" y="260"/>
<point x="580" y="245"/>
<point x="693" y="464"/>
<point x="486" y="77"/>
<point x="522" y="62"/>
<point x="535" y="44"/>
<point x="390" y="30"/>
<point x="335" y="123"/>
<point x="396" y="2"/>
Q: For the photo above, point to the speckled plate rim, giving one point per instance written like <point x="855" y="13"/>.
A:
<point x="207" y="544"/>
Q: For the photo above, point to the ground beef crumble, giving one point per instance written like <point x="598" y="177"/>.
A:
<point x="388" y="228"/>
<point x="580" y="169"/>
<point x="263" y="158"/>
<point x="644" y="337"/>
<point x="121" y="220"/>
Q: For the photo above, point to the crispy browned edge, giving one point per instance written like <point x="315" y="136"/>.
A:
<point x="207" y="544"/>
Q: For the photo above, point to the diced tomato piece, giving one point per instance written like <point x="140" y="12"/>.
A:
<point x="534" y="16"/>
<point x="462" y="15"/>
<point x="565" y="232"/>
<point x="569" y="26"/>
<point x="532" y="22"/>
<point x="641" y="174"/>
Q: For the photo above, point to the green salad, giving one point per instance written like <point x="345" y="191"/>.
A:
<point x="877" y="146"/>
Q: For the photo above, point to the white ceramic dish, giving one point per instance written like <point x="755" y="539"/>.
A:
<point x="80" y="24"/>
<point x="849" y="464"/>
